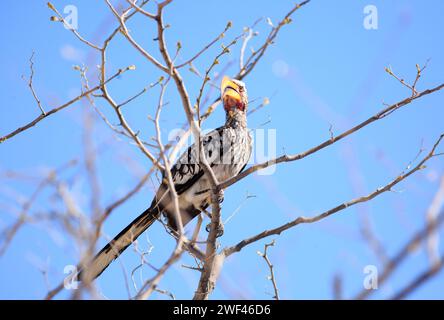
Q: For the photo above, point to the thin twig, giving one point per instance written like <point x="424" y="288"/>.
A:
<point x="271" y="277"/>
<point x="419" y="280"/>
<point x="68" y="26"/>
<point x="209" y="45"/>
<point x="395" y="261"/>
<point x="31" y="85"/>
<point x="302" y="220"/>
<point x="61" y="107"/>
<point x="288" y="158"/>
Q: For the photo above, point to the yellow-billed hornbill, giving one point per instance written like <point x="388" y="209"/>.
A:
<point x="227" y="150"/>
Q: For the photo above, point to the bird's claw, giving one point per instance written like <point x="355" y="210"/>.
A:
<point x="220" y="196"/>
<point x="219" y="229"/>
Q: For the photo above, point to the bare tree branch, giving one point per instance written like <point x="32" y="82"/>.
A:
<point x="271" y="277"/>
<point x="288" y="158"/>
<point x="197" y="55"/>
<point x="8" y="234"/>
<point x="419" y="280"/>
<point x="61" y="107"/>
<point x="31" y="85"/>
<point x="302" y="220"/>
<point x="254" y="58"/>
<point x="69" y="27"/>
<point x="86" y="229"/>
<point x="402" y="254"/>
<point x="431" y="216"/>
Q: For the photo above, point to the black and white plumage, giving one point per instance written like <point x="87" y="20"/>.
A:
<point x="227" y="150"/>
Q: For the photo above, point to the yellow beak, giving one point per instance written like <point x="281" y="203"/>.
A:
<point x="228" y="88"/>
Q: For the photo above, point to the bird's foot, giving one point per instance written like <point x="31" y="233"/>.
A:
<point x="220" y="196"/>
<point x="219" y="229"/>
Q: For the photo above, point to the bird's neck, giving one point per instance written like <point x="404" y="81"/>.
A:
<point x="236" y="119"/>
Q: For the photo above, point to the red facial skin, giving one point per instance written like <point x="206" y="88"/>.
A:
<point x="230" y="102"/>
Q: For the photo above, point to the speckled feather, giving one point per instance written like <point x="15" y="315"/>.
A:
<point x="227" y="150"/>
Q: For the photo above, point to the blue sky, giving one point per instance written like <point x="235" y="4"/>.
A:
<point x="324" y="69"/>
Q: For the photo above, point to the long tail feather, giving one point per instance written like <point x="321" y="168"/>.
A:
<point x="116" y="246"/>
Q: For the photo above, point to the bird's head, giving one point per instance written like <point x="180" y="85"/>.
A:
<point x="234" y="95"/>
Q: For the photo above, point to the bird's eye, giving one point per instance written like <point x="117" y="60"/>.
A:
<point x="241" y="89"/>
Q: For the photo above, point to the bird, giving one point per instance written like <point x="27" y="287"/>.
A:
<point x="227" y="150"/>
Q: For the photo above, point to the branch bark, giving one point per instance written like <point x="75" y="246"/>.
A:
<point x="302" y="220"/>
<point x="289" y="158"/>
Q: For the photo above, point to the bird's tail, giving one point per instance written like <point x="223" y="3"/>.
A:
<point x="120" y="242"/>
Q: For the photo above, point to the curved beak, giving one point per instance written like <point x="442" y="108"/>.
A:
<point x="228" y="88"/>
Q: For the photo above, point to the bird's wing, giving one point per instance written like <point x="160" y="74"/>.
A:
<point x="187" y="170"/>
